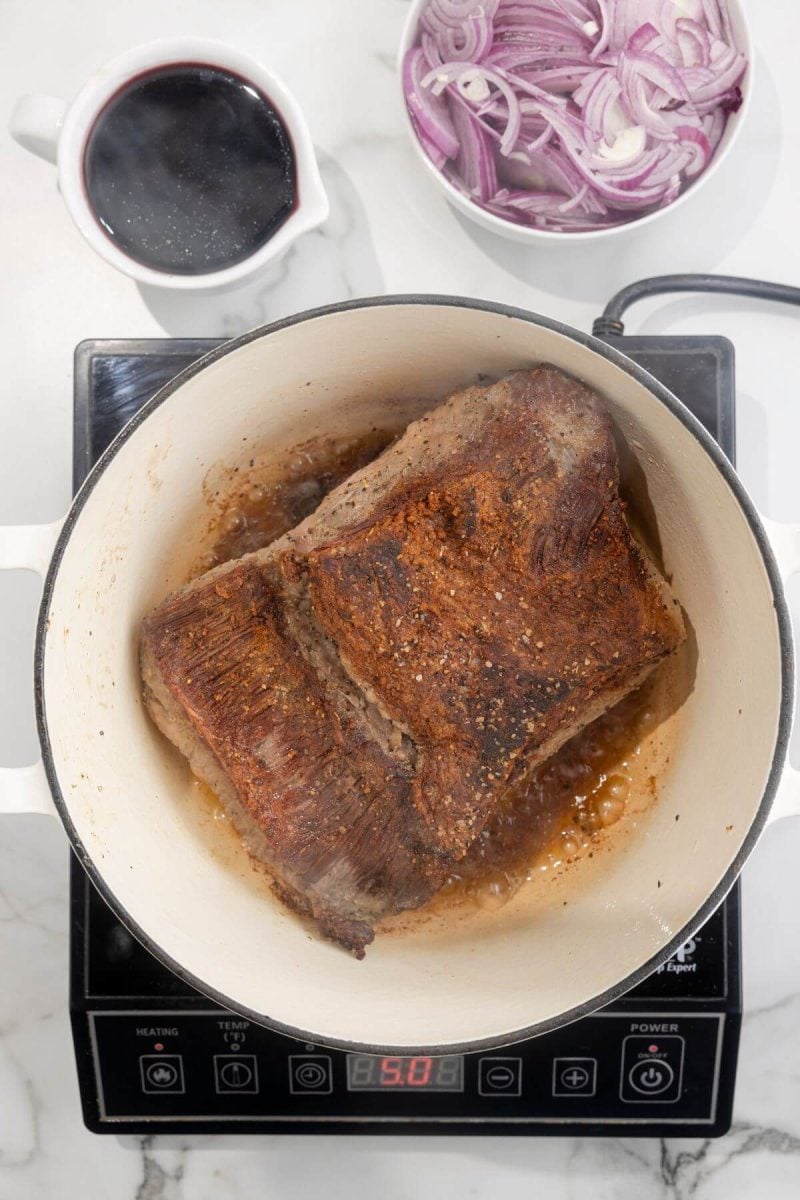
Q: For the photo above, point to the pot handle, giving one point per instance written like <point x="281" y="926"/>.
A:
<point x="785" y="542"/>
<point x="29" y="548"/>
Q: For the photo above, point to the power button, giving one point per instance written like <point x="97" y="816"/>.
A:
<point x="652" y="1069"/>
<point x="651" y="1078"/>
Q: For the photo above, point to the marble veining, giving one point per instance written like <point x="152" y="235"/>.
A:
<point x="389" y="231"/>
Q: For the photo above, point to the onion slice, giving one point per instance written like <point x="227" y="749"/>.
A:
<point x="475" y="163"/>
<point x="428" y="111"/>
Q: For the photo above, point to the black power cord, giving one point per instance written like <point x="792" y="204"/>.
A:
<point x="610" y="324"/>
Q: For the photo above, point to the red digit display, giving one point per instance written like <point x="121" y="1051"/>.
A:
<point x="392" y="1072"/>
<point x="368" y="1073"/>
<point x="419" y="1071"/>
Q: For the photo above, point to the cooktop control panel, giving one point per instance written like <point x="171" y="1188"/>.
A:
<point x="178" y="1065"/>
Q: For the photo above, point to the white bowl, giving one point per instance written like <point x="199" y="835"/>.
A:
<point x="59" y="132"/>
<point x="532" y="236"/>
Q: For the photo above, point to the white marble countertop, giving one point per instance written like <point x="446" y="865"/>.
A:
<point x="389" y="231"/>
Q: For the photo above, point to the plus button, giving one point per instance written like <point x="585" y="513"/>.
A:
<point x="574" y="1076"/>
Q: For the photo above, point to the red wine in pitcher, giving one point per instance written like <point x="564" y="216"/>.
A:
<point x="190" y="169"/>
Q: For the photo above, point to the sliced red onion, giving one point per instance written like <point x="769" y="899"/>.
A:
<point x="629" y="146"/>
<point x="454" y="72"/>
<point x="463" y="8"/>
<point x="714" y="127"/>
<point x="429" y="112"/>
<point x="544" y="202"/>
<point x="541" y="140"/>
<point x="630" y="15"/>
<point x="587" y="85"/>
<point x="475" y="162"/>
<point x="558" y="80"/>
<point x="531" y="201"/>
<point x="727" y="28"/>
<point x="548" y="170"/>
<point x="604" y="12"/>
<point x="513" y="207"/>
<point x="588" y="112"/>
<point x="694" y="42"/>
<point x="430" y="48"/>
<point x="436" y="19"/>
<point x="615" y="196"/>
<point x="539" y="22"/>
<point x="696" y="139"/>
<point x="716" y="88"/>
<point x="642" y="39"/>
<point x="672" y="160"/>
<point x="580" y="17"/>
<point x="546" y="101"/>
<point x="517" y="49"/>
<point x="433" y="152"/>
<point x="732" y="101"/>
<point x="453" y="14"/>
<point x="470" y="43"/>
<point x="637" y="99"/>
<point x="674" y="10"/>
<point x="576" y="201"/>
<point x="659" y="73"/>
<point x="713" y="17"/>
<point x="603" y="112"/>
<point x="579" y="11"/>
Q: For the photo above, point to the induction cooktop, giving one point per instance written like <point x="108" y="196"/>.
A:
<point x="155" y="1056"/>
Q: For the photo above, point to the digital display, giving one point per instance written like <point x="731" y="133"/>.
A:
<point x="371" y="1073"/>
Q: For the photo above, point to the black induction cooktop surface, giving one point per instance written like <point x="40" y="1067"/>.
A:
<point x="154" y="1055"/>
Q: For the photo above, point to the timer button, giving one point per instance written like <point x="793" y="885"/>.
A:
<point x="310" y="1074"/>
<point x="500" y="1077"/>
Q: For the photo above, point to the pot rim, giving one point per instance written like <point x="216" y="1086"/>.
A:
<point x="687" y="419"/>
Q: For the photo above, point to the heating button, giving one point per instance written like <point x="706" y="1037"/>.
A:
<point x="652" y="1069"/>
<point x="161" y="1073"/>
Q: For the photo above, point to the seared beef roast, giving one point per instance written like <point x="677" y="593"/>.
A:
<point x="361" y="693"/>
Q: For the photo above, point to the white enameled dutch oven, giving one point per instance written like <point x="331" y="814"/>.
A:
<point x="120" y="790"/>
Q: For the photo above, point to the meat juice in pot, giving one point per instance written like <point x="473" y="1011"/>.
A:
<point x="562" y="812"/>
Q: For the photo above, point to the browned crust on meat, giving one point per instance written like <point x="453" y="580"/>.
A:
<point x="490" y="609"/>
<point x="329" y="801"/>
<point x="447" y="618"/>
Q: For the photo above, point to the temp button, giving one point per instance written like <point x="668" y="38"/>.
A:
<point x="652" y="1069"/>
<point x="235" y="1073"/>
